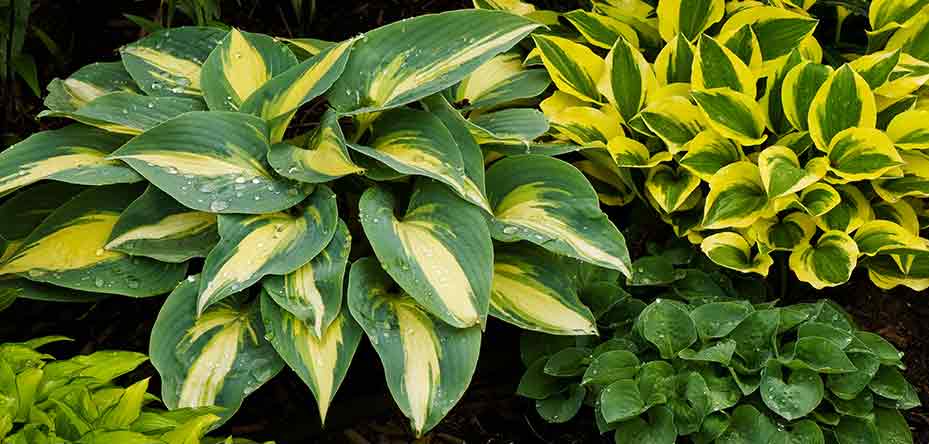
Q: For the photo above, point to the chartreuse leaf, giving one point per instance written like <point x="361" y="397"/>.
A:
<point x="440" y="251"/>
<point x="500" y="80"/>
<point x="852" y="211"/>
<point x="909" y="130"/>
<point x="716" y="66"/>
<point x="785" y="233"/>
<point x="885" y="237"/>
<point x="819" y="198"/>
<point x="320" y="360"/>
<point x="782" y="174"/>
<point x="168" y="62"/>
<point x="530" y="292"/>
<point x="183" y="158"/>
<point x="731" y="250"/>
<point x="272" y="243"/>
<point x="86" y="84"/>
<point x="239" y="66"/>
<point x="631" y="79"/>
<point x="313" y="292"/>
<point x="428" y="364"/>
<point x="217" y="358"/>
<point x="843" y="101"/>
<point x="74" y="154"/>
<point x="798" y="90"/>
<point x="862" y="154"/>
<point x="827" y="263"/>
<point x="708" y="152"/>
<point x="794" y="398"/>
<point x="550" y="203"/>
<point x="156" y="226"/>
<point x="573" y="67"/>
<point x="674" y="120"/>
<point x="737" y="197"/>
<point x="689" y="18"/>
<point x="670" y="187"/>
<point x="417" y="142"/>
<point x="67" y="249"/>
<point x="778" y="30"/>
<point x="734" y="115"/>
<point x="601" y="30"/>
<point x="129" y="113"/>
<point x="388" y="68"/>
<point x="277" y="99"/>
<point x="322" y="158"/>
<point x="630" y="153"/>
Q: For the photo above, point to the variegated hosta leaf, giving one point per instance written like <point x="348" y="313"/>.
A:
<point x="908" y="77"/>
<point x="212" y="161"/>
<point x="239" y="65"/>
<point x="550" y="203"/>
<point x="601" y="30"/>
<point x="708" y="152"/>
<point x="156" y="226"/>
<point x="68" y="249"/>
<point x="87" y="84"/>
<point x="782" y="174"/>
<point x="828" y="263"/>
<point x="911" y="38"/>
<point x="887" y="16"/>
<point x="168" y="62"/>
<point x="26" y="289"/>
<point x="574" y="68"/>
<point x="798" y="90"/>
<point x="674" y="62"/>
<point x="322" y="158"/>
<point x="733" y="114"/>
<point x="744" y="44"/>
<point x="674" y="120"/>
<point x="74" y="154"/>
<point x="637" y="14"/>
<point x="771" y="102"/>
<point x="737" y="197"/>
<point x="417" y="142"/>
<point x="313" y="292"/>
<point x="862" y="153"/>
<point x="216" y="358"/>
<point x="440" y="252"/>
<point x="631" y="79"/>
<point x="129" y="113"/>
<point x="885" y="272"/>
<point x="391" y="66"/>
<point x="885" y="237"/>
<point x="500" y="80"/>
<point x="458" y="127"/>
<point x="320" y="360"/>
<point x="532" y="291"/>
<point x="844" y="101"/>
<point x="915" y="180"/>
<point x="271" y="243"/>
<point x="609" y="181"/>
<point x="779" y="30"/>
<point x="585" y="125"/>
<point x="687" y="17"/>
<point x="630" y="153"/>
<point x="522" y="124"/>
<point x="24" y="211"/>
<point x="909" y="130"/>
<point x="785" y="233"/>
<point x="428" y="364"/>
<point x="278" y="99"/>
<point x="819" y="198"/>
<point x="852" y="211"/>
<point x="901" y="213"/>
<point x="731" y="250"/>
<point x="876" y="68"/>
<point x="716" y="66"/>
<point x="671" y="187"/>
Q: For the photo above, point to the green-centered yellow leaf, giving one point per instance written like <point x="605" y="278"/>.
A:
<point x="320" y="156"/>
<point x="574" y="68"/>
<point x="771" y="102"/>
<point x="670" y="187"/>
<point x="128" y="113"/>
<point x="674" y="120"/>
<point x="798" y="90"/>
<point x="733" y="114"/>
<point x="428" y="364"/>
<point x="716" y="66"/>
<point x="744" y="44"/>
<point x="674" y="62"/>
<point x="213" y="161"/>
<point x="782" y="174"/>
<point x="586" y="125"/>
<point x="156" y="226"/>
<point x="737" y="197"/>
<point x="876" y="68"/>
<point x="239" y="66"/>
<point x="313" y="293"/>
<point x="601" y="30"/>
<point x="608" y="181"/>
<point x="887" y="16"/>
<point x="272" y="243"/>
<point x="168" y="62"/>
<point x="320" y="360"/>
<point x="500" y="80"/>
<point x="532" y="291"/>
<point x="214" y="359"/>
<point x="909" y="130"/>
<point x="907" y="77"/>
<point x="708" y="152"/>
<point x="689" y="18"/>
<point x="550" y="203"/>
<point x="827" y="263"/>
<point x="886" y="237"/>
<point x="844" y="101"/>
<point x="778" y="30"/>
<point x="68" y="249"/>
<point x="818" y="198"/>
<point x="911" y="38"/>
<point x="914" y="182"/>
<point x="862" y="153"/>
<point x="630" y="153"/>
<point x="901" y="213"/>
<point x="785" y="233"/>
<point x="74" y="154"/>
<point x="885" y="272"/>
<point x="402" y="62"/>
<point x="731" y="250"/>
<point x="852" y="211"/>
<point x="87" y="84"/>
<point x="631" y="79"/>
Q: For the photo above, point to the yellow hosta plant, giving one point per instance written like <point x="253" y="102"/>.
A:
<point x="726" y="118"/>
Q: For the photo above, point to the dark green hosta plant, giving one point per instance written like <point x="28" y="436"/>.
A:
<point x="46" y="401"/>
<point x="186" y="149"/>
<point x="725" y="371"/>
<point x="726" y="119"/>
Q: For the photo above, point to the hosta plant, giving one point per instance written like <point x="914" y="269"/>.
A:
<point x="46" y="401"/>
<point x="719" y="370"/>
<point x="195" y="145"/>
<point x="729" y="121"/>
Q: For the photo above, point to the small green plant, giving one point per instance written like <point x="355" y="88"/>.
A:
<point x="46" y="401"/>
